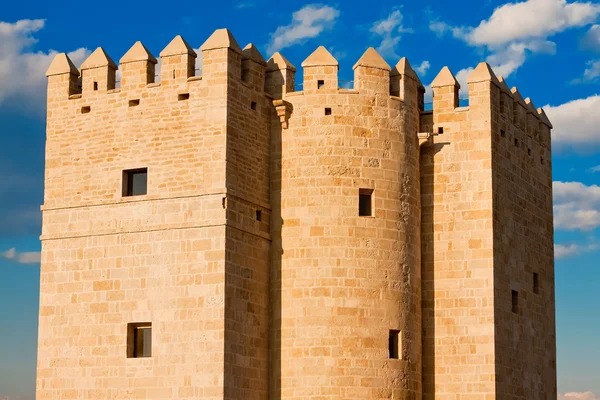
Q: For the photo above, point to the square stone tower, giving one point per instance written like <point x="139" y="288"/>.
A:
<point x="224" y="236"/>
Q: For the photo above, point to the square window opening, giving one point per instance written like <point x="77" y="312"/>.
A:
<point x="365" y="202"/>
<point x="253" y="105"/>
<point x="536" y="283"/>
<point x="327" y="111"/>
<point x="135" y="182"/>
<point x="139" y="340"/>
<point x="86" y="109"/>
<point x="259" y="215"/>
<point x="395" y="344"/>
<point x="134" y="102"/>
<point x="183" y="96"/>
<point x="320" y="83"/>
<point x="441" y="130"/>
<point x="515" y="302"/>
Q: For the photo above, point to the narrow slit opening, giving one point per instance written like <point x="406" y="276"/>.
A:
<point x="183" y="96"/>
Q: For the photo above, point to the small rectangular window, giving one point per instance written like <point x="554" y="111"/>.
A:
<point x="327" y="111"/>
<point x="320" y="84"/>
<point x="515" y="301"/>
<point x="135" y="182"/>
<point x="441" y="130"/>
<point x="394" y="344"/>
<point x="528" y="152"/>
<point x="95" y="86"/>
<point x="258" y="215"/>
<point x="183" y="96"/>
<point x="536" y="283"/>
<point x="86" y="109"/>
<point x="516" y="142"/>
<point x="134" y="102"/>
<point x="502" y="133"/>
<point x="139" y="340"/>
<point x="253" y="105"/>
<point x="365" y="203"/>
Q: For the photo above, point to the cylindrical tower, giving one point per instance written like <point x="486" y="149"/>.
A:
<point x="346" y="260"/>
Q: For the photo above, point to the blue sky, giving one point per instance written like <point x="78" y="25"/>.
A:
<point x="549" y="49"/>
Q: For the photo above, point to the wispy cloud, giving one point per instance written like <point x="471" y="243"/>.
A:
<point x="307" y="23"/>
<point x="578" y="396"/>
<point x="595" y="169"/>
<point x="570" y="250"/>
<point x="590" y="74"/>
<point x="576" y="206"/>
<point x="591" y="40"/>
<point x="390" y="30"/>
<point x="245" y="4"/>
<point x="30" y="257"/>
<point x="576" y="124"/>
<point x="515" y="30"/>
<point x="422" y="68"/>
<point x="22" y="76"/>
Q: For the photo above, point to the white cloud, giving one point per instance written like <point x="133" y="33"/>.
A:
<point x="595" y="169"/>
<point x="22" y="71"/>
<point x="307" y="23"/>
<point x="576" y="124"/>
<point x="591" y="40"/>
<point x="576" y="206"/>
<point x="515" y="30"/>
<point x="532" y="19"/>
<point x="578" y="396"/>
<point x="423" y="68"/>
<point x="569" y="250"/>
<point x="31" y="257"/>
<point x="591" y="73"/>
<point x="390" y="31"/>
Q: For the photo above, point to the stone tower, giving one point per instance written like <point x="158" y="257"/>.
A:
<point x="224" y="236"/>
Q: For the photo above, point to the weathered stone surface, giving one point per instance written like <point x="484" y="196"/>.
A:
<point x="248" y="254"/>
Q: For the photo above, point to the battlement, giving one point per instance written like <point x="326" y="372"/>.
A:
<point x="491" y="101"/>
<point x="96" y="80"/>
<point x="222" y="58"/>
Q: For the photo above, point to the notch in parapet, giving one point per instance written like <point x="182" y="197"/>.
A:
<point x="137" y="67"/>
<point x="253" y="67"/>
<point x="506" y="100"/>
<point x="320" y="71"/>
<point x="62" y="78"/>
<point x="405" y="83"/>
<point x="445" y="92"/>
<point x="98" y="72"/>
<point x="221" y="57"/>
<point x="533" y="118"/>
<point x="279" y="76"/>
<point x="519" y="109"/>
<point x="178" y="62"/>
<point x="372" y="74"/>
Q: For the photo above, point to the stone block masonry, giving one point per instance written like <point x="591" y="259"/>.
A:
<point x="272" y="244"/>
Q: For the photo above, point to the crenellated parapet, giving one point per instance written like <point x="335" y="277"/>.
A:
<point x="490" y="102"/>
<point x="97" y="79"/>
